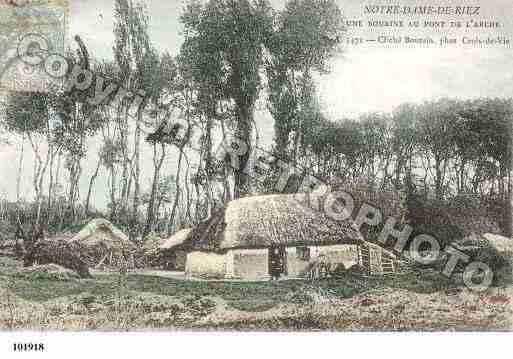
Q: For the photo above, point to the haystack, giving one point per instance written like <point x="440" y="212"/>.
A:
<point x="59" y="251"/>
<point x="494" y="250"/>
<point x="501" y="243"/>
<point x="107" y="246"/>
<point x="236" y="241"/>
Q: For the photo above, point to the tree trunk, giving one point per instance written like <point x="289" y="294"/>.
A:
<point x="438" y="180"/>
<point x="178" y="190"/>
<point x="137" y="189"/>
<point x="508" y="230"/>
<point x="91" y="184"/>
<point x="150" y="213"/>
<point x="241" y="187"/>
<point x="75" y="174"/>
<point x="50" y="185"/>
<point x="113" y="204"/>
<point x="20" y="170"/>
<point x="188" y="194"/>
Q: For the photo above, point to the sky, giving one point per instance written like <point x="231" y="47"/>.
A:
<point x="365" y="78"/>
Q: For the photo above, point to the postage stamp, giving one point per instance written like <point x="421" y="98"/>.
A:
<point x="17" y="20"/>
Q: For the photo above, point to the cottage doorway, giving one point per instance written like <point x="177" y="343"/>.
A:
<point x="277" y="262"/>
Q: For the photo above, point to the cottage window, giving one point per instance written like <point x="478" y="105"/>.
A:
<point x="303" y="253"/>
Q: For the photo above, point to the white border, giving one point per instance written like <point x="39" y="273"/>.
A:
<point x="142" y="345"/>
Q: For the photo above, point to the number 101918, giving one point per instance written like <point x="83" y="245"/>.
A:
<point x="28" y="347"/>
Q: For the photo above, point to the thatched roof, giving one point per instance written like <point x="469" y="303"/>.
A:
<point x="175" y="240"/>
<point x="101" y="231"/>
<point x="263" y="221"/>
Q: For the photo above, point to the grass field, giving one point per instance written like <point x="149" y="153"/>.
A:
<point x="416" y="301"/>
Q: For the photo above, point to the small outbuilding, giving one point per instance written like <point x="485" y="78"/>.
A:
<point x="249" y="236"/>
<point x="105" y="244"/>
<point x="172" y="251"/>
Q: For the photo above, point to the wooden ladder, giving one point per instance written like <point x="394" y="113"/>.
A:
<point x="364" y="255"/>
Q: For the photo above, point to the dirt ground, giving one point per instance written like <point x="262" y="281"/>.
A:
<point x="156" y="300"/>
<point x="381" y="310"/>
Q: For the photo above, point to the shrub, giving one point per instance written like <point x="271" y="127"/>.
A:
<point x="48" y="272"/>
<point x="7" y="231"/>
<point x="339" y="271"/>
<point x="311" y="295"/>
<point x="481" y="250"/>
<point x="356" y="269"/>
<point x="199" y="305"/>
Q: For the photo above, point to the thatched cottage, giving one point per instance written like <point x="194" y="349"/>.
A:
<point x="106" y="245"/>
<point x="173" y="251"/>
<point x="242" y="240"/>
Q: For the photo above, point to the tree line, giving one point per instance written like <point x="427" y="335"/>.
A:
<point x="233" y="52"/>
<point x="447" y="147"/>
<point x="238" y="57"/>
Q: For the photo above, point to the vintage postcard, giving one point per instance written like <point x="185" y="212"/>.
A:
<point x="256" y="166"/>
